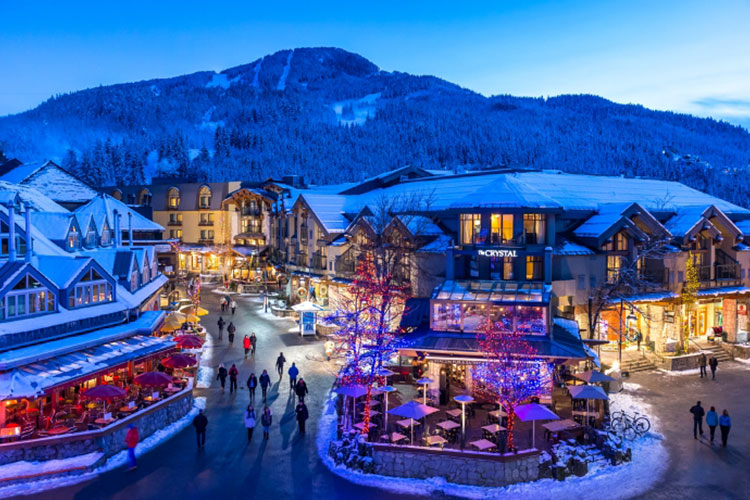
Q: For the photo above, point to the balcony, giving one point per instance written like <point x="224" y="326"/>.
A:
<point x="345" y="266"/>
<point x="206" y="241"/>
<point x="206" y="223"/>
<point x="250" y="212"/>
<point x="724" y="275"/>
<point x="174" y="223"/>
<point x="301" y="260"/>
<point x="319" y="262"/>
<point x="496" y="240"/>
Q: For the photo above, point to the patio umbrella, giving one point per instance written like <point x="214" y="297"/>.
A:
<point x="189" y="341"/>
<point x="354" y="392"/>
<point x="593" y="377"/>
<point x="413" y="411"/>
<point x="533" y="412"/>
<point x="424" y="381"/>
<point x="587" y="392"/>
<point x="104" y="392"/>
<point x="464" y="399"/>
<point x="178" y="361"/>
<point x="152" y="379"/>
<point x="387" y="390"/>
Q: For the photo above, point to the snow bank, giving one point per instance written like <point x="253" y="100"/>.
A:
<point x="630" y="480"/>
<point x="113" y="462"/>
<point x="680" y="373"/>
<point x="206" y="375"/>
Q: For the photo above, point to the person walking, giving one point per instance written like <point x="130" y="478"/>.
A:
<point x="223" y="304"/>
<point x="714" y="363"/>
<point x="725" y="423"/>
<point x="301" y="389"/>
<point x="265" y="381"/>
<point x="250" y="421"/>
<point x="698" y="412"/>
<point x="302" y="416"/>
<point x="233" y="305"/>
<point x="233" y="372"/>
<point x="246" y="345"/>
<point x="280" y="365"/>
<point x="222" y="375"/>
<point x="253" y="343"/>
<point x="712" y="420"/>
<point x="230" y="331"/>
<point x="131" y="441"/>
<point x="252" y="384"/>
<point x="266" y="419"/>
<point x="702" y="363"/>
<point x="293" y="372"/>
<point x="200" y="422"/>
<point x="221" y="324"/>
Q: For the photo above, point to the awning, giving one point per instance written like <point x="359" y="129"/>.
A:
<point x="35" y="379"/>
<point x="249" y="250"/>
<point x="727" y="290"/>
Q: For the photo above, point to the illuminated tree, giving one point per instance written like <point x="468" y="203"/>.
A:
<point x="689" y="295"/>
<point x="512" y="372"/>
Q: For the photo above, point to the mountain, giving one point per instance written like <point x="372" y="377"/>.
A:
<point x="334" y="116"/>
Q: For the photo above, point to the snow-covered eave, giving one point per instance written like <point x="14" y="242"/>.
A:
<point x="143" y="294"/>
<point x="61" y="317"/>
<point x="143" y="325"/>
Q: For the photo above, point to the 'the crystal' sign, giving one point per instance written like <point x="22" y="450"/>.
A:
<point x="497" y="253"/>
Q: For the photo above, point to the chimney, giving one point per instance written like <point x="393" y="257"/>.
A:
<point x="12" y="233"/>
<point x="117" y="234"/>
<point x="29" y="238"/>
<point x="130" y="229"/>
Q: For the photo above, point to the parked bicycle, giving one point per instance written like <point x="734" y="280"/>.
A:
<point x="629" y="426"/>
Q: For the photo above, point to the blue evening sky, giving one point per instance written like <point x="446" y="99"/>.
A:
<point x="691" y="56"/>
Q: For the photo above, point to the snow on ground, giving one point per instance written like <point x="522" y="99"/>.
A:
<point x="356" y="111"/>
<point x="650" y="460"/>
<point x="218" y="80"/>
<point x="285" y="73"/>
<point x="680" y="373"/>
<point x="28" y="468"/>
<point x="206" y="375"/>
<point x="113" y="462"/>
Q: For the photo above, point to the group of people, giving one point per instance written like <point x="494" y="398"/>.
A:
<point x="231" y="329"/>
<point x="713" y="420"/>
<point x="228" y="304"/>
<point x="713" y="363"/>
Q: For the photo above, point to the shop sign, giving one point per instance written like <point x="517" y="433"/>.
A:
<point x="669" y="316"/>
<point x="742" y="309"/>
<point x="497" y="252"/>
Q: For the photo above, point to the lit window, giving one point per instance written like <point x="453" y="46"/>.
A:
<point x="90" y="289"/>
<point x="534" y="227"/>
<point x="501" y="228"/>
<point x="173" y="198"/>
<point x="204" y="197"/>
<point x="28" y="297"/>
<point x="471" y="228"/>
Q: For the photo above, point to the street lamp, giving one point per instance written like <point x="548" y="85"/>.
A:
<point x="387" y="389"/>
<point x="463" y="399"/>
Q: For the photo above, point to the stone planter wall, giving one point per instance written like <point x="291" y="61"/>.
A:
<point x="109" y="440"/>
<point x="740" y="351"/>
<point x="473" y="468"/>
<point x="679" y="363"/>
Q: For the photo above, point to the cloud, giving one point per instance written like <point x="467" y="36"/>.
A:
<point x="732" y="110"/>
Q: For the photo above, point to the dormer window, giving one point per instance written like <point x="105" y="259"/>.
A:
<point x="144" y="198"/>
<point x="90" y="241"/>
<point x="92" y="288"/>
<point x="146" y="273"/>
<point x="106" y="235"/>
<point x="73" y="238"/>
<point x="173" y="198"/>
<point x="618" y="243"/>
<point x="28" y="297"/>
<point x="5" y="241"/>
<point x="134" y="280"/>
<point x="204" y="197"/>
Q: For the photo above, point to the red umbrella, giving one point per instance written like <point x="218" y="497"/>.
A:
<point x="152" y="379"/>
<point x="189" y="341"/>
<point x="104" y="392"/>
<point x="178" y="361"/>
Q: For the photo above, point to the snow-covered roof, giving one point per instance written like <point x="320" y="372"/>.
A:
<point x="61" y="270"/>
<point x="329" y="210"/>
<point x="32" y="196"/>
<point x="607" y="216"/>
<point x="103" y="204"/>
<point x="21" y="172"/>
<point x="566" y="247"/>
<point x="685" y="219"/>
<point x="53" y="225"/>
<point x="51" y="180"/>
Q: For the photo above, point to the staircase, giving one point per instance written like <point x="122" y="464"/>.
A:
<point x="638" y="365"/>
<point x="712" y="349"/>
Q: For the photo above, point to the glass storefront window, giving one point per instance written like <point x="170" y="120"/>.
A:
<point x="475" y="317"/>
<point x="501" y="228"/>
<point x="502" y="316"/>
<point x="530" y="320"/>
<point x="446" y="316"/>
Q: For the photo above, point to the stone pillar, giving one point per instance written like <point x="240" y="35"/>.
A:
<point x="729" y="312"/>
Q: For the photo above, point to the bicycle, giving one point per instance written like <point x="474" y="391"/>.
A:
<point x="631" y="427"/>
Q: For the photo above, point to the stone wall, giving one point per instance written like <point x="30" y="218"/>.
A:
<point x="473" y="468"/>
<point x="108" y="440"/>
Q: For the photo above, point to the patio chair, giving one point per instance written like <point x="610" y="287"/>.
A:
<point x="27" y="431"/>
<point x="82" y="424"/>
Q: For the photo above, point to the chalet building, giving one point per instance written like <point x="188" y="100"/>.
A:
<point x="77" y="304"/>
<point x="537" y="249"/>
<point x="51" y="179"/>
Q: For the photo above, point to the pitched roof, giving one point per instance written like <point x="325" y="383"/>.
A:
<point x="52" y="180"/>
<point x="104" y="205"/>
<point x="32" y="196"/>
<point x="329" y="210"/>
<point x="53" y="225"/>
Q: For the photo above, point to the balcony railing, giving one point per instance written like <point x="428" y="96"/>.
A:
<point x="206" y="223"/>
<point x="724" y="275"/>
<point x="345" y="266"/>
<point x="206" y="241"/>
<point x="174" y="223"/>
<point x="319" y="262"/>
<point x="250" y="212"/>
<point x="301" y="260"/>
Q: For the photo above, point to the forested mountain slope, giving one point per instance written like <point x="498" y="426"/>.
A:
<point x="333" y="116"/>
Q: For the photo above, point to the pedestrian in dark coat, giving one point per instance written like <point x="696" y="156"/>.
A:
<point x="250" y="422"/>
<point x="280" y="365"/>
<point x="266" y="419"/>
<point x="230" y="330"/>
<point x="252" y="384"/>
<point x="265" y="381"/>
<point x="301" y="389"/>
<point x="253" y="342"/>
<point x="703" y="362"/>
<point x="713" y="364"/>
<point x="698" y="412"/>
<point x="246" y="345"/>
<point x="200" y="422"/>
<point x="725" y="423"/>
<point x="302" y="416"/>
<point x="293" y="372"/>
<point x="233" y="372"/>
<point x="131" y="441"/>
<point x="712" y="420"/>
<point x="221" y="324"/>
<point x="222" y="375"/>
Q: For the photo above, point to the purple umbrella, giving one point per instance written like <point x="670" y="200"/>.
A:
<point x="533" y="412"/>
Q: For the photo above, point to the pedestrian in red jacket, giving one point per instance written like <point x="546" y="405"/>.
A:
<point x="131" y="441"/>
<point x="246" y="345"/>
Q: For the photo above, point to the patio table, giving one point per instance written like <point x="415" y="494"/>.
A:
<point x="560" y="425"/>
<point x="448" y="425"/>
<point x="56" y="431"/>
<point x="395" y="437"/>
<point x="128" y="409"/>
<point x="494" y="428"/>
<point x="483" y="445"/>
<point x="104" y="421"/>
<point x="584" y="413"/>
<point x="407" y="423"/>
<point x="172" y="390"/>
<point x="433" y="440"/>
<point x="361" y="426"/>
<point x="453" y="413"/>
<point x="497" y="414"/>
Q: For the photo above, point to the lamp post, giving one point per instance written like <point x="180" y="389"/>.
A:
<point x="463" y="399"/>
<point x="387" y="390"/>
<point x="424" y="381"/>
